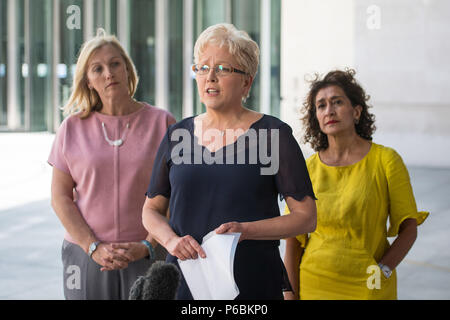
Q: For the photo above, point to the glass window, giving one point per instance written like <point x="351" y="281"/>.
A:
<point x="206" y="13"/>
<point x="40" y="62"/>
<point x="105" y="16"/>
<point x="142" y="47"/>
<point x="175" y="67"/>
<point x="22" y="66"/>
<point x="246" y="16"/>
<point x="3" y="65"/>
<point x="71" y="39"/>
<point x="275" y="54"/>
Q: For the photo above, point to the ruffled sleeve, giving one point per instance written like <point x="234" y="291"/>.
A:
<point x="302" y="238"/>
<point x="402" y="204"/>
<point x="292" y="178"/>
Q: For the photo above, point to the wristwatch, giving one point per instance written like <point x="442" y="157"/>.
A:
<point x="151" y="251"/>
<point x="386" y="270"/>
<point x="92" y="248"/>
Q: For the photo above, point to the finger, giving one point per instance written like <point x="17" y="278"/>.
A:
<point x="192" y="246"/>
<point x="107" y="265"/>
<point x="185" y="249"/>
<point x="197" y="247"/>
<point x="125" y="245"/>
<point x="121" y="256"/>
<point x="224" y="228"/>
<point x="187" y="252"/>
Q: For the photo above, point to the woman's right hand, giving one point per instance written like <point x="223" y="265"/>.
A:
<point x="185" y="248"/>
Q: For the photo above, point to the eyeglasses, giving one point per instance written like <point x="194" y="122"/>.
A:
<point x="222" y="69"/>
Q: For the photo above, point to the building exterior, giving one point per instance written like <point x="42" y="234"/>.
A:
<point x="399" y="49"/>
<point x="40" y="41"/>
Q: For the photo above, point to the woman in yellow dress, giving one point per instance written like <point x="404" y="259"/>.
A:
<point x="359" y="185"/>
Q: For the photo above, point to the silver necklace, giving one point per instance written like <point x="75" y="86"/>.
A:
<point x="115" y="143"/>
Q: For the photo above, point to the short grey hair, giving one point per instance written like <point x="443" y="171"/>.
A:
<point x="239" y="43"/>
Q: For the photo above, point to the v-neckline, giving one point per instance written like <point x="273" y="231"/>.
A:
<point x="226" y="145"/>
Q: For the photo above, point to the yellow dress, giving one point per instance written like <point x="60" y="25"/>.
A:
<point x="353" y="207"/>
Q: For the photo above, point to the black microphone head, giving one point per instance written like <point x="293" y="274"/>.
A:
<point x="159" y="283"/>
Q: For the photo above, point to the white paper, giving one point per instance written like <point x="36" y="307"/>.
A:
<point x="212" y="278"/>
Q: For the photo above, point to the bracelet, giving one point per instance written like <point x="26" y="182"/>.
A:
<point x="151" y="251"/>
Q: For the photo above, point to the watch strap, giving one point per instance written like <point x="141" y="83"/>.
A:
<point x="92" y="249"/>
<point x="151" y="251"/>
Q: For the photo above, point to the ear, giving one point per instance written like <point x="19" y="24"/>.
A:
<point x="248" y="81"/>
<point x="357" y="110"/>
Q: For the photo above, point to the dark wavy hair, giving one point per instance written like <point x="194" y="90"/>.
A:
<point x="354" y="92"/>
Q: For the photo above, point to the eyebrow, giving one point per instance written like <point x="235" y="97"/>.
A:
<point x="217" y="62"/>
<point x="99" y="62"/>
<point x="332" y="98"/>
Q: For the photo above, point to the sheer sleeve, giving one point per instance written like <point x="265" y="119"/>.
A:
<point x="57" y="158"/>
<point x="159" y="182"/>
<point x="402" y="204"/>
<point x="292" y="179"/>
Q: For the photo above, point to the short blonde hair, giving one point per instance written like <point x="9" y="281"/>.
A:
<point x="239" y="43"/>
<point x="83" y="100"/>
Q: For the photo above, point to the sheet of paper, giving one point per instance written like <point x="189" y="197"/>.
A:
<point x="212" y="278"/>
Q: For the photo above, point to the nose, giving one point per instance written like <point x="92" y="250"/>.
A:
<point x="212" y="76"/>
<point x="329" y="110"/>
<point x="108" y="73"/>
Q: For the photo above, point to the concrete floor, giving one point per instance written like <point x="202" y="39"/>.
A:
<point x="31" y="235"/>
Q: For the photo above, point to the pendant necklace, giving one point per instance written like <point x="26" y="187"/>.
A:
<point x="115" y="143"/>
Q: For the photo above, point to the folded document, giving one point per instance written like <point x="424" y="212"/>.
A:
<point x="212" y="278"/>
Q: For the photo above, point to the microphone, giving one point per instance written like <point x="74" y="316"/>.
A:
<point x="159" y="283"/>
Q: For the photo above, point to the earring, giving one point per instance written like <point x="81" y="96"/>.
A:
<point x="356" y="121"/>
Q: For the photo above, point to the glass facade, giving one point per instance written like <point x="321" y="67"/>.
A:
<point x="142" y="46"/>
<point x="21" y="68"/>
<point x="175" y="67"/>
<point x="70" y="41"/>
<point x="3" y="64"/>
<point x="39" y="54"/>
<point x="40" y="42"/>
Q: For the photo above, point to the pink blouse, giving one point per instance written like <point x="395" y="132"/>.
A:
<point x="111" y="181"/>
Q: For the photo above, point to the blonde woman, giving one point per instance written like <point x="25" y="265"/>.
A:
<point x="210" y="189"/>
<point x="102" y="159"/>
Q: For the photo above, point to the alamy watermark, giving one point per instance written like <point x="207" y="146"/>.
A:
<point x="74" y="19"/>
<point x="237" y="141"/>
<point x="374" y="280"/>
<point x="73" y="281"/>
<point x="374" y="19"/>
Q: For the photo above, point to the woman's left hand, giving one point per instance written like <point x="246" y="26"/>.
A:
<point x="230" y="227"/>
<point x="128" y="251"/>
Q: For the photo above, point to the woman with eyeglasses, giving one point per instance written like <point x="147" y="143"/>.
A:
<point x="359" y="185"/>
<point x="216" y="179"/>
<point x="102" y="158"/>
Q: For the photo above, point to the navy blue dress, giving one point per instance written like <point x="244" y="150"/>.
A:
<point x="205" y="194"/>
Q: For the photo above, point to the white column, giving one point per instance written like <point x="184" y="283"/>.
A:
<point x="108" y="16"/>
<point x="29" y="67"/>
<point x="12" y="65"/>
<point x="56" y="96"/>
<point x="123" y="25"/>
<point x="228" y="11"/>
<point x="88" y="21"/>
<point x="265" y="61"/>
<point x="162" y="54"/>
<point x="188" y="47"/>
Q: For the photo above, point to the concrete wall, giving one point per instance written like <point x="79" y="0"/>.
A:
<point x="400" y="50"/>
